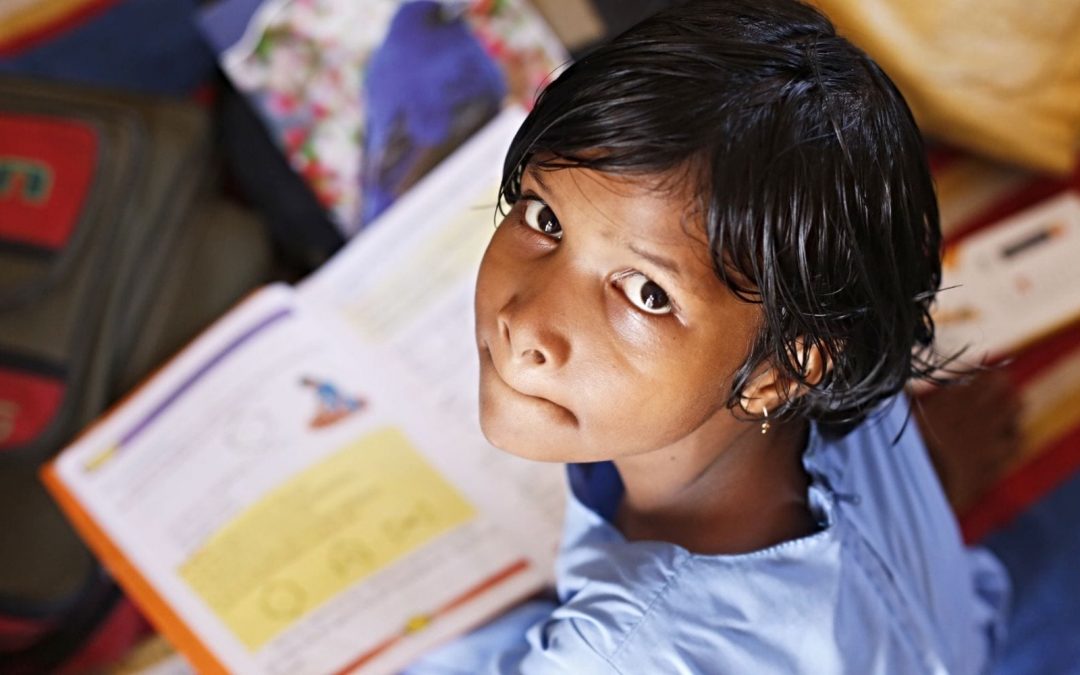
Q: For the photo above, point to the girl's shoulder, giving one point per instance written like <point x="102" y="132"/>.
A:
<point x="886" y="580"/>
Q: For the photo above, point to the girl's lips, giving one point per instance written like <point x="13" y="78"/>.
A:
<point x="556" y="408"/>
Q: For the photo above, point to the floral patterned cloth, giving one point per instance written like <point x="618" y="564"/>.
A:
<point x="307" y="67"/>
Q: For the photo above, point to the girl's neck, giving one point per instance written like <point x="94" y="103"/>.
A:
<point x="716" y="495"/>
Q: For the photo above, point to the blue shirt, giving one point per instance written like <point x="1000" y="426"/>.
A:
<point x="886" y="585"/>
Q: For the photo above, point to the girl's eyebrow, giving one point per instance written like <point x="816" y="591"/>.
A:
<point x="659" y="261"/>
<point x="535" y="175"/>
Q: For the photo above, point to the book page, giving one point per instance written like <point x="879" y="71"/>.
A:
<point x="405" y="289"/>
<point x="292" y="501"/>
<point x="1013" y="283"/>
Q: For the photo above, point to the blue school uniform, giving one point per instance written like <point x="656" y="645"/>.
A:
<point x="886" y="585"/>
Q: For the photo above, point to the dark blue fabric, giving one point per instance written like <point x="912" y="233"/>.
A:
<point x="224" y="23"/>
<point x="150" y="46"/>
<point x="598" y="486"/>
<point x="1041" y="550"/>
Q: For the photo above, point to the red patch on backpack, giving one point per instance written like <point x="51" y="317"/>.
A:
<point x="46" y="168"/>
<point x="28" y="402"/>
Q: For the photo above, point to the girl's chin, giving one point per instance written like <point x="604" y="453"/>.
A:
<point x="524" y="444"/>
<point x="527" y="426"/>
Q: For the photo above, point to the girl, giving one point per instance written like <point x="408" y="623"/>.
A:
<point x="708" y="294"/>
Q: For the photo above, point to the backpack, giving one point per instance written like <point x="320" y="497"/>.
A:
<point x="115" y="249"/>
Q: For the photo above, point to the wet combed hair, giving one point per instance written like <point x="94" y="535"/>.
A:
<point x="812" y="179"/>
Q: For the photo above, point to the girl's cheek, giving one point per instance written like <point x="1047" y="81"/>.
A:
<point x="502" y="262"/>
<point x="640" y="337"/>
<point x="495" y="282"/>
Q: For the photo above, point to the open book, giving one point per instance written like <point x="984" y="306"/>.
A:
<point x="305" y="489"/>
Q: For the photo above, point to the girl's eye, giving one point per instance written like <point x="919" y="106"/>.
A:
<point x="541" y="218"/>
<point x="645" y="294"/>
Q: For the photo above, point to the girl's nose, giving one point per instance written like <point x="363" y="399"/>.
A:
<point x="532" y="333"/>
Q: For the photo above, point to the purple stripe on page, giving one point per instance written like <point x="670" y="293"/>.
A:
<point x="203" y="370"/>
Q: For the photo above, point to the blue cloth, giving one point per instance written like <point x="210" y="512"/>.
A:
<point x="1041" y="550"/>
<point x="149" y="46"/>
<point x="886" y="586"/>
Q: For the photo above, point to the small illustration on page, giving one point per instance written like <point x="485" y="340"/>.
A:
<point x="333" y="405"/>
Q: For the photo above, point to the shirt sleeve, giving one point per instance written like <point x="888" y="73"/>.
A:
<point x="554" y="646"/>
<point x="526" y="640"/>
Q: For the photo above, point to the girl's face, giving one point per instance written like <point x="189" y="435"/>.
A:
<point x="603" y="330"/>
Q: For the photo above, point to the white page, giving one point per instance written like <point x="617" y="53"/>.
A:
<point x="1012" y="283"/>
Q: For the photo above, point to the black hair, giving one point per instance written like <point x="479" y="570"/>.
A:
<point x="813" y="182"/>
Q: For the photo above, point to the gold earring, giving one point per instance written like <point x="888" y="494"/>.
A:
<point x="765" y="424"/>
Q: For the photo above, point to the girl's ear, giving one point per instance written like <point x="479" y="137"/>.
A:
<point x="771" y="388"/>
